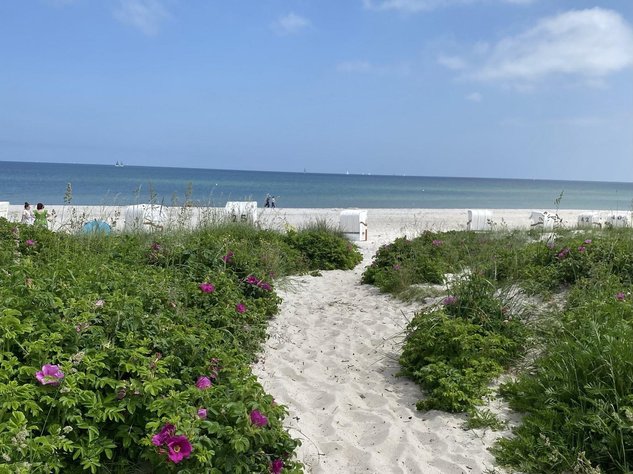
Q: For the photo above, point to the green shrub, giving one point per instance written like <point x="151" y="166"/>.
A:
<point x="324" y="248"/>
<point x="578" y="398"/>
<point x="406" y="262"/>
<point x="453" y="360"/>
<point x="577" y="394"/>
<point x="133" y="322"/>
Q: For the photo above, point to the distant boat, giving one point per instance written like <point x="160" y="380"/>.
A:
<point x="119" y="164"/>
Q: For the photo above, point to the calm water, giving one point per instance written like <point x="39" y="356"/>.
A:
<point x="111" y="185"/>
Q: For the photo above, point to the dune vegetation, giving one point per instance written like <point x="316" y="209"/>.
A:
<point x="553" y="311"/>
<point x="132" y="352"/>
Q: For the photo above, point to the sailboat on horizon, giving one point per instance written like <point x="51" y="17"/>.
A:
<point x="119" y="164"/>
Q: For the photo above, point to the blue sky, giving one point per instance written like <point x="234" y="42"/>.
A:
<point x="477" y="88"/>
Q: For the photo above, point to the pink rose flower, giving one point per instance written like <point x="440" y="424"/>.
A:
<point x="258" y="418"/>
<point x="179" y="448"/>
<point x="162" y="437"/>
<point x="276" y="466"/>
<point x="206" y="287"/>
<point x="240" y="308"/>
<point x="202" y="413"/>
<point x="265" y="286"/>
<point x="203" y="383"/>
<point x="49" y="375"/>
<point x="449" y="300"/>
<point x="252" y="280"/>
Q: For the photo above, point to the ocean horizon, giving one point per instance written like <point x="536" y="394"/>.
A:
<point x="92" y="184"/>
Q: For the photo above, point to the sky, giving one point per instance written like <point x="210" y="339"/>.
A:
<point x="535" y="89"/>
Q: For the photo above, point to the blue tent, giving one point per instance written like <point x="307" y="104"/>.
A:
<point x="96" y="226"/>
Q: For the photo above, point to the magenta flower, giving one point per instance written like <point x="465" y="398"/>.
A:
<point x="265" y="286"/>
<point x="49" y="375"/>
<point x="588" y="241"/>
<point x="203" y="383"/>
<point x="620" y="296"/>
<point x="449" y="300"/>
<point x="581" y="249"/>
<point x="240" y="308"/>
<point x="258" y="418"/>
<point x="156" y="247"/>
<point x="276" y="466"/>
<point x="228" y="258"/>
<point x="179" y="448"/>
<point x="202" y="413"/>
<point x="206" y="287"/>
<point x="252" y="280"/>
<point x="165" y="434"/>
<point x="396" y="267"/>
<point x="563" y="253"/>
<point x="437" y="243"/>
<point x="30" y="243"/>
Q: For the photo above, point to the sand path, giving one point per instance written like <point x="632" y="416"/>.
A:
<point x="331" y="358"/>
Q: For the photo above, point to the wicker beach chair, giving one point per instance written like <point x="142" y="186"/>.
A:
<point x="4" y="209"/>
<point x="479" y="220"/>
<point x="241" y="211"/>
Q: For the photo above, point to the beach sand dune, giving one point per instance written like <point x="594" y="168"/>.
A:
<point x="331" y="358"/>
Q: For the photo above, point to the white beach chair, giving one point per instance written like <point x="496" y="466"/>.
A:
<point x="147" y="217"/>
<point x="617" y="220"/>
<point x="353" y="224"/>
<point x="4" y="209"/>
<point x="241" y="211"/>
<point x="543" y="219"/>
<point x="479" y="219"/>
<point x="589" y="220"/>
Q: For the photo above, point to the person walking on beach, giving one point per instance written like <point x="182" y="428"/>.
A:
<point x="272" y="202"/>
<point x="267" y="201"/>
<point x="27" y="214"/>
<point x="41" y="216"/>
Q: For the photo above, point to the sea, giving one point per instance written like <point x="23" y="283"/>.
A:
<point x="111" y="185"/>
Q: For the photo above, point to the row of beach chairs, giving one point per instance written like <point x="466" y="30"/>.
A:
<point x="353" y="223"/>
<point x="155" y="217"/>
<point x="482" y="219"/>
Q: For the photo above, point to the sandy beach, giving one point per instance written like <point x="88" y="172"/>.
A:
<point x="384" y="224"/>
<point x="331" y="356"/>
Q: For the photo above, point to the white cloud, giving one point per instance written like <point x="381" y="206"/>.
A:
<point x="474" y="97"/>
<point x="452" y="62"/>
<point x="145" y="15"/>
<point x="290" y="24"/>
<point x="589" y="43"/>
<point x="414" y="6"/>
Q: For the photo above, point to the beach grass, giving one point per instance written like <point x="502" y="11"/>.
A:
<point x="132" y="352"/>
<point x="554" y="307"/>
